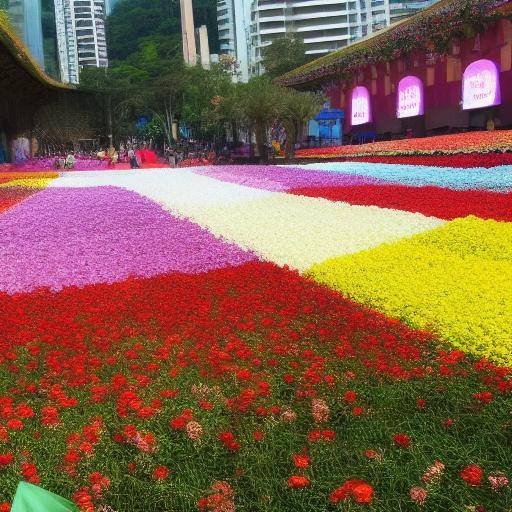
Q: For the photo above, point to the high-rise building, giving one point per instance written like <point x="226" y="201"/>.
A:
<point x="51" y="55"/>
<point x="324" y="25"/>
<point x="25" y="16"/>
<point x="400" y="10"/>
<point x="109" y="5"/>
<point x="234" y="23"/>
<point x="81" y="36"/>
<point x="188" y="32"/>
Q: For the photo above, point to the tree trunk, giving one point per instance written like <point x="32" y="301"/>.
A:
<point x="109" y="121"/>
<point x="260" y="141"/>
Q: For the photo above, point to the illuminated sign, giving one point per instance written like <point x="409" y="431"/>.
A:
<point x="410" y="101"/>
<point x="481" y="85"/>
<point x="361" y="107"/>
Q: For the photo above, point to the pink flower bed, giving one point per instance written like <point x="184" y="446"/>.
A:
<point x="278" y="179"/>
<point x="77" y="236"/>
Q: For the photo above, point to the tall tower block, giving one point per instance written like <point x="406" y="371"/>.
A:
<point x="188" y="32"/>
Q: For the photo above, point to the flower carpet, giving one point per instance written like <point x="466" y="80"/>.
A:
<point x="453" y="144"/>
<point x="334" y="336"/>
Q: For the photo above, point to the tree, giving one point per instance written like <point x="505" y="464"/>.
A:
<point x="260" y="105"/>
<point x="167" y="98"/>
<point x="205" y="98"/>
<point x="283" y="55"/>
<point x="297" y="108"/>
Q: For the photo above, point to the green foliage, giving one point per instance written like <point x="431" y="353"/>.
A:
<point x="132" y="21"/>
<point x="283" y="55"/>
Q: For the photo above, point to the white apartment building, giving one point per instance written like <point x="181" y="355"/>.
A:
<point x="324" y="25"/>
<point x="81" y="36"/>
<point x="400" y="9"/>
<point x="234" y="23"/>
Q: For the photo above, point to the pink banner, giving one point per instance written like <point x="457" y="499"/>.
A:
<point x="361" y="106"/>
<point x="481" y="85"/>
<point x="410" y="99"/>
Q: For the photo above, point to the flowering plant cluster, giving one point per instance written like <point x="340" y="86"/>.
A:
<point x="458" y="143"/>
<point x="452" y="280"/>
<point x="242" y="388"/>
<point x="160" y="349"/>
<point x="458" y="160"/>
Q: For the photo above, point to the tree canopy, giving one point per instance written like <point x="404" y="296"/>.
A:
<point x="283" y="55"/>
<point x="132" y="21"/>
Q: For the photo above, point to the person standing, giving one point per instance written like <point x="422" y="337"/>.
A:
<point x="132" y="157"/>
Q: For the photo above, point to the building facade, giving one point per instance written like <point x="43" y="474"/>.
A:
<point x="234" y="22"/>
<point x="81" y="36"/>
<point x="25" y="16"/>
<point x="188" y="32"/>
<point x="324" y="25"/>
<point x="400" y="9"/>
<point x="410" y="79"/>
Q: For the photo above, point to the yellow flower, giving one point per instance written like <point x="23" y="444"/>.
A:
<point x="455" y="280"/>
<point x="29" y="182"/>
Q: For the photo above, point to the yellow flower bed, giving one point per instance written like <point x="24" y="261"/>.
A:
<point x="26" y="175"/>
<point x="455" y="280"/>
<point x="29" y="182"/>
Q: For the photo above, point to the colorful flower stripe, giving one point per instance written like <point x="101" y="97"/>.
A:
<point x="13" y="195"/>
<point x="430" y="201"/>
<point x="181" y="187"/>
<point x="498" y="178"/>
<point x="28" y="182"/>
<point x="471" y="142"/>
<point x="299" y="231"/>
<point x="278" y="178"/>
<point x="63" y="237"/>
<point x="164" y="385"/>
<point x="484" y="160"/>
<point x="285" y="229"/>
<point x="454" y="280"/>
<point x="27" y="175"/>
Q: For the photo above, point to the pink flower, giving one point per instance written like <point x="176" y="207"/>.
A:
<point x="418" y="495"/>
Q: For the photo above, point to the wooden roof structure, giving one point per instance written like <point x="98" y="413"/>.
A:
<point x="24" y="86"/>
<point x="18" y="69"/>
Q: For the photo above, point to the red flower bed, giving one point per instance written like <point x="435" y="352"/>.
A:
<point x="469" y="142"/>
<point x="203" y="388"/>
<point x="9" y="196"/>
<point x="466" y="161"/>
<point x="431" y="201"/>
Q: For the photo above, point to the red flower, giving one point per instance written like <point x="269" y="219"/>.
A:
<point x="402" y="440"/>
<point x="161" y="473"/>
<point x="6" y="459"/>
<point x="29" y="472"/>
<point x="301" y="461"/>
<point x="350" y="397"/>
<point x="472" y="475"/>
<point x="258" y="435"/>
<point x="5" y="507"/>
<point x="358" y="490"/>
<point x="229" y="440"/>
<point x="484" y="397"/>
<point x="15" y="424"/>
<point x="298" y="482"/>
<point x="421" y="403"/>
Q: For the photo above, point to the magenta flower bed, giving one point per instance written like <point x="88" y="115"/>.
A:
<point x="77" y="236"/>
<point x="278" y="179"/>
<point x="48" y="164"/>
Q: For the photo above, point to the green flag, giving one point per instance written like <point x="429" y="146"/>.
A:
<point x="30" y="498"/>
